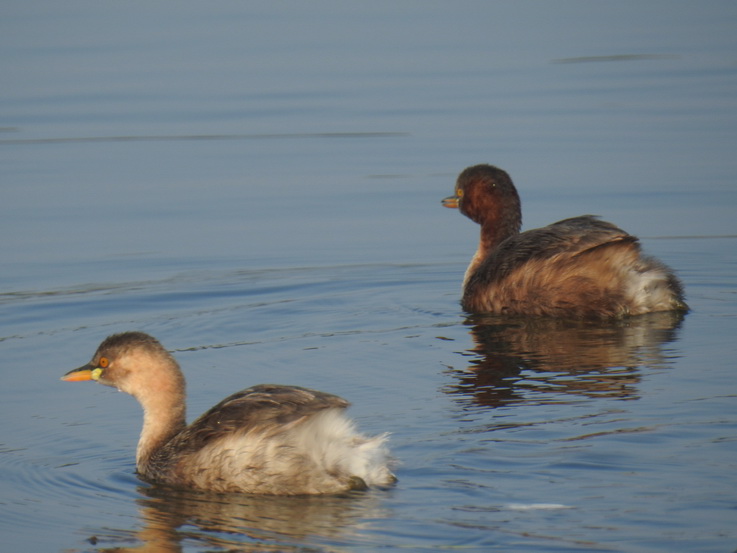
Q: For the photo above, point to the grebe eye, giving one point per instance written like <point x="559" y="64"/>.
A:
<point x="103" y="362"/>
<point x="459" y="193"/>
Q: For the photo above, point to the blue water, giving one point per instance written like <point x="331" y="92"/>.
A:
<point x="258" y="185"/>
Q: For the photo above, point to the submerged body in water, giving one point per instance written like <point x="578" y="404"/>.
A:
<point x="268" y="439"/>
<point x="580" y="268"/>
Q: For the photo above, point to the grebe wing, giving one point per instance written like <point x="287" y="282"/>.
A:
<point x="567" y="238"/>
<point x="259" y="408"/>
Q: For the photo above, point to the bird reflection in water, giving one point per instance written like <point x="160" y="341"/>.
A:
<point x="172" y="518"/>
<point x="539" y="360"/>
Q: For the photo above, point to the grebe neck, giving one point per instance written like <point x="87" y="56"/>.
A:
<point x="499" y="225"/>
<point x="163" y="418"/>
<point x="493" y="233"/>
<point x="159" y="425"/>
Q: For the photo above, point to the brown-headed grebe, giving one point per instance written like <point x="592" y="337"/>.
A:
<point x="581" y="268"/>
<point x="268" y="439"/>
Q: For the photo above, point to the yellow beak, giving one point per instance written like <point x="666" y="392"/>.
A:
<point x="450" y="201"/>
<point x="87" y="372"/>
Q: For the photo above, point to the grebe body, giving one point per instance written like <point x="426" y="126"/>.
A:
<point x="581" y="267"/>
<point x="268" y="439"/>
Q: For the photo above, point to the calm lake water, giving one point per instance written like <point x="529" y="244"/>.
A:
<point x="258" y="185"/>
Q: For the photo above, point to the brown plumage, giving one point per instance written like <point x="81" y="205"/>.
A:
<point x="268" y="439"/>
<point x="576" y="268"/>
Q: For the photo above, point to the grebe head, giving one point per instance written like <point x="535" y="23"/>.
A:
<point x="485" y="194"/>
<point x="134" y="363"/>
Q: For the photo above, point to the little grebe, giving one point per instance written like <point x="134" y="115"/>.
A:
<point x="268" y="439"/>
<point x="576" y="268"/>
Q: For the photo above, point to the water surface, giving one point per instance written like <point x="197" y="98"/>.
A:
<point x="258" y="186"/>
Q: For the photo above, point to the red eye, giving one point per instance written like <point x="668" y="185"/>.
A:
<point x="103" y="362"/>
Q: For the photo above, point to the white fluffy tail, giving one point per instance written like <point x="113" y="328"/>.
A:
<point x="331" y="440"/>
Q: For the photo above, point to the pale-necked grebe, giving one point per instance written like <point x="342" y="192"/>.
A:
<point x="268" y="439"/>
<point x="577" y="268"/>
